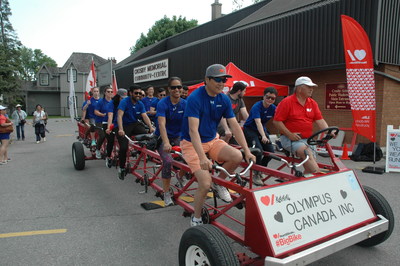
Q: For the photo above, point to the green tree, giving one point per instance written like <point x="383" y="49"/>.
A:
<point x="31" y="61"/>
<point x="238" y="4"/>
<point x="162" y="29"/>
<point x="9" y="51"/>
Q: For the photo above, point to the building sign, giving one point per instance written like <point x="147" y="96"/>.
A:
<point x="153" y="71"/>
<point x="337" y="97"/>
<point x="393" y="149"/>
<point x="300" y="213"/>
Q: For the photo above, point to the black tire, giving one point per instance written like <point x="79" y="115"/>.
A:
<point x="382" y="207"/>
<point x="206" y="245"/>
<point x="78" y="156"/>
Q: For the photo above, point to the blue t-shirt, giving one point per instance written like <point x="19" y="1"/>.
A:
<point x="90" y="109"/>
<point x="101" y="106"/>
<point x="173" y="114"/>
<point x="209" y="110"/>
<point x="131" y="111"/>
<point x="111" y="108"/>
<point x="147" y="102"/>
<point x="259" y="111"/>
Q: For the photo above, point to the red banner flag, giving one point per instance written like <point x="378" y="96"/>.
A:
<point x="360" y="77"/>
<point x="114" y="84"/>
<point x="91" y="80"/>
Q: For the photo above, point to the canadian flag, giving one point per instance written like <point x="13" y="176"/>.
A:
<point x="114" y="84"/>
<point x="91" y="81"/>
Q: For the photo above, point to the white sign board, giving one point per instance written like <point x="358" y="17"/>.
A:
<point x="153" y="71"/>
<point x="392" y="149"/>
<point x="303" y="212"/>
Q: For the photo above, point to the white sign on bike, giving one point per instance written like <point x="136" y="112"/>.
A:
<point x="299" y="213"/>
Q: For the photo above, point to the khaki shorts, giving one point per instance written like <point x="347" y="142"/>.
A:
<point x="213" y="148"/>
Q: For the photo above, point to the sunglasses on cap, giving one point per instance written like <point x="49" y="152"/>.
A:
<point x="219" y="79"/>
<point x="175" y="87"/>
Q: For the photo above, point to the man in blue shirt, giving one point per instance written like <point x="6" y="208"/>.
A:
<point x="256" y="131"/>
<point x="88" y="112"/>
<point x="129" y="109"/>
<point x="101" y="117"/>
<point x="204" y="109"/>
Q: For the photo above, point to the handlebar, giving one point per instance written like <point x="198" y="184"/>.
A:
<point x="220" y="168"/>
<point x="287" y="163"/>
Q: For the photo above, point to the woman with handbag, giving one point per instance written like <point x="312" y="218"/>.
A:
<point x="6" y="127"/>
<point x="39" y="117"/>
<point x="19" y="117"/>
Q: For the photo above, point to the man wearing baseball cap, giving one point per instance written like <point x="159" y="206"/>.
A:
<point x="204" y="109"/>
<point x="294" y="118"/>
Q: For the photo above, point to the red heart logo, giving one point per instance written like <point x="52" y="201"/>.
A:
<point x="276" y="236"/>
<point x="265" y="200"/>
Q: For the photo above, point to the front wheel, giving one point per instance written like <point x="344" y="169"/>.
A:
<point x="205" y="245"/>
<point x="78" y="156"/>
<point x="382" y="207"/>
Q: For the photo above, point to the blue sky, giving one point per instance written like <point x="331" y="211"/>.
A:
<point x="106" y="28"/>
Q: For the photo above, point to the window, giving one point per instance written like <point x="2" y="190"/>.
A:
<point x="73" y="74"/>
<point x="44" y="79"/>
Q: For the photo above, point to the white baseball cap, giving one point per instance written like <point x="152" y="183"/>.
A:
<point x="2" y="107"/>
<point x="305" y="81"/>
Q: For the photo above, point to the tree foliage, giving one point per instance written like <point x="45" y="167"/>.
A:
<point x="31" y="61"/>
<point x="238" y="4"/>
<point x="162" y="29"/>
<point x="9" y="51"/>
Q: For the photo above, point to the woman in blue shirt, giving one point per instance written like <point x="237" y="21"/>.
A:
<point x="170" y="111"/>
<point x="255" y="129"/>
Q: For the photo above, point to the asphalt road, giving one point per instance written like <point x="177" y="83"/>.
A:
<point x="98" y="218"/>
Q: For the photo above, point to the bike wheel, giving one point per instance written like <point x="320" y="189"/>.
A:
<point x="382" y="207"/>
<point x="206" y="245"/>
<point x="78" y="156"/>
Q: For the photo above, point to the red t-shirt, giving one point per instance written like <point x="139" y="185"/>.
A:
<point x="2" y="119"/>
<point x="296" y="117"/>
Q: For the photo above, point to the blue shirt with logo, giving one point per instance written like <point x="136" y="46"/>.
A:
<point x="101" y="106"/>
<point x="259" y="111"/>
<point x="90" y="109"/>
<point x="131" y="111"/>
<point x="148" y="101"/>
<point x="173" y="114"/>
<point x="209" y="110"/>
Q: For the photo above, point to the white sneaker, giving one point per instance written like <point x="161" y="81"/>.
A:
<point x="44" y="139"/>
<point x="222" y="193"/>
<point x="195" y="223"/>
<point x="167" y="200"/>
<point x="98" y="154"/>
<point x="37" y="142"/>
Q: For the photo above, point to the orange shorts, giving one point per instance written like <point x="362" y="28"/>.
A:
<point x="213" y="148"/>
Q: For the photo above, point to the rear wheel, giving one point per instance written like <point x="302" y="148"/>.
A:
<point x="205" y="245"/>
<point x="78" y="156"/>
<point x="382" y="207"/>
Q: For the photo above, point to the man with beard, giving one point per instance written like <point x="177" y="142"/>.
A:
<point x="239" y="109"/>
<point x="129" y="109"/>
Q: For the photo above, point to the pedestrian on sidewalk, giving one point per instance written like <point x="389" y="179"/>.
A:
<point x="19" y="117"/>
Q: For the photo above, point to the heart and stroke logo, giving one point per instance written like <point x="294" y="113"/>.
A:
<point x="343" y="193"/>
<point x="357" y="55"/>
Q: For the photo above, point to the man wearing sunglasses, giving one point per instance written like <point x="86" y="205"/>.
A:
<point x="204" y="109"/>
<point x="294" y="118"/>
<point x="129" y="109"/>
<point x="256" y="131"/>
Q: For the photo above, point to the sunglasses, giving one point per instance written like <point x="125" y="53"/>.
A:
<point x="137" y="93"/>
<point x="270" y="98"/>
<point x="162" y="94"/>
<point x="175" y="87"/>
<point x="219" y="80"/>
<point x="109" y="91"/>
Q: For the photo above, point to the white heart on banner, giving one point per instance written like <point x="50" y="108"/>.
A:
<point x="360" y="54"/>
